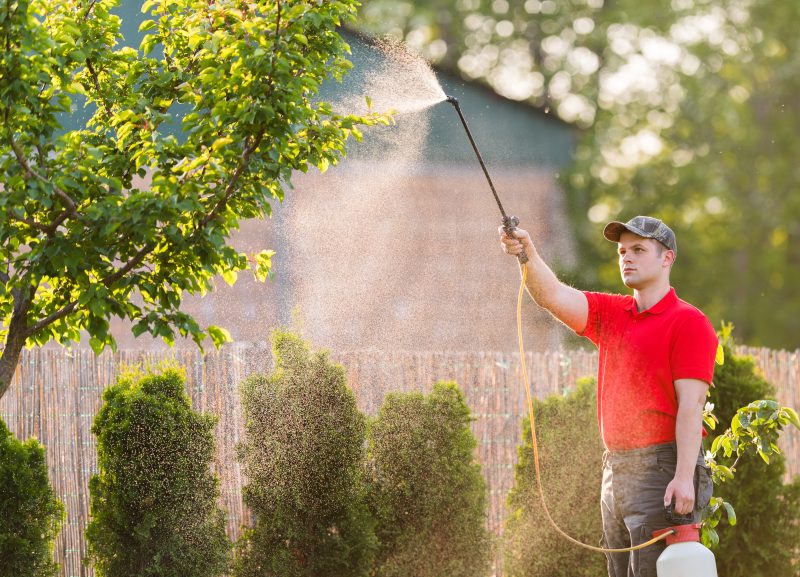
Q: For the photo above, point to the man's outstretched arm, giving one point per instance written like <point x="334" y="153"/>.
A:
<point x="564" y="302"/>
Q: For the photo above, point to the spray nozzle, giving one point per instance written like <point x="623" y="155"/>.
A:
<point x="452" y="100"/>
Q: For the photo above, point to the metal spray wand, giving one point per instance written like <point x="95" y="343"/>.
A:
<point x="509" y="222"/>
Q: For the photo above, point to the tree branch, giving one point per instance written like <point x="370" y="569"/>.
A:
<point x="130" y="265"/>
<point x="30" y="171"/>
<point x="96" y="81"/>
<point x="52" y="318"/>
<point x="89" y="9"/>
<point x="139" y="257"/>
<point x="231" y="188"/>
<point x="107" y="281"/>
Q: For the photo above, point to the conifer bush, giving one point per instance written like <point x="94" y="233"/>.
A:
<point x="303" y="455"/>
<point x="428" y="494"/>
<point x="154" y="510"/>
<point x="571" y="454"/>
<point x="30" y="514"/>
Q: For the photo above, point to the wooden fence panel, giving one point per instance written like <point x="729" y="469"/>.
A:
<point x="57" y="393"/>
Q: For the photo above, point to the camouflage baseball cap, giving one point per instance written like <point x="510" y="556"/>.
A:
<point x="644" y="226"/>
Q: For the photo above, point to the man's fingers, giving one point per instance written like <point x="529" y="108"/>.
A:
<point x="684" y="506"/>
<point x="668" y="495"/>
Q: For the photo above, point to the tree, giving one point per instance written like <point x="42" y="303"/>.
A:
<point x="689" y="113"/>
<point x="154" y="510"/>
<point x="303" y="454"/>
<point x="81" y="239"/>
<point x="428" y="494"/>
<point x="30" y="513"/>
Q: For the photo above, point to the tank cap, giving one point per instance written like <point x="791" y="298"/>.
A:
<point x="681" y="533"/>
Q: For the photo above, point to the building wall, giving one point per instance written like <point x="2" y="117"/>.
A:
<point x="369" y="257"/>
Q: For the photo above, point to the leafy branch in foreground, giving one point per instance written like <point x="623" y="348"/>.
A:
<point x="754" y="430"/>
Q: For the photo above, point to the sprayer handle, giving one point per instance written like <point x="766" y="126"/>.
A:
<point x="509" y="224"/>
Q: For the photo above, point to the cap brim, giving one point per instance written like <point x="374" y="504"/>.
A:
<point x="614" y="230"/>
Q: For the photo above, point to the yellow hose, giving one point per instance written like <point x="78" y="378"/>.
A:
<point x="536" y="446"/>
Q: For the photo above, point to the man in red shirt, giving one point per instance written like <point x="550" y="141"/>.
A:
<point x="656" y="362"/>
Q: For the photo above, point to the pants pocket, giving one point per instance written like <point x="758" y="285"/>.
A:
<point x="643" y="561"/>
<point x="704" y="487"/>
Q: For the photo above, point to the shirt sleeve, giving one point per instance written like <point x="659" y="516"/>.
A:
<point x="694" y="350"/>
<point x="593" y="324"/>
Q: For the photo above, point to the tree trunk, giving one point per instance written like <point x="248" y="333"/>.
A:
<point x="9" y="359"/>
<point x="15" y="341"/>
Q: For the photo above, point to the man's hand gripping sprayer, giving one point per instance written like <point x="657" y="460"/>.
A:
<point x="509" y="224"/>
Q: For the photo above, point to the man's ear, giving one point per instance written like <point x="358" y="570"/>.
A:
<point x="669" y="258"/>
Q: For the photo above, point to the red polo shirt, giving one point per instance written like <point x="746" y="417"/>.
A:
<point x="640" y="357"/>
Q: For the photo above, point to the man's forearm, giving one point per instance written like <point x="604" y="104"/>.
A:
<point x="541" y="283"/>
<point x="688" y="438"/>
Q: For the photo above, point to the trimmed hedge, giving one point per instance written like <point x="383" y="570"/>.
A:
<point x="302" y="454"/>
<point x="153" y="507"/>
<point x="571" y="455"/>
<point x="30" y="514"/>
<point x="428" y="494"/>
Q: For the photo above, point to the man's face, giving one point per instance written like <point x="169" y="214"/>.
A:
<point x="642" y="261"/>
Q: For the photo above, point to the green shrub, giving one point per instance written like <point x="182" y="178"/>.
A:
<point x="571" y="454"/>
<point x="154" y="509"/>
<point x="30" y="514"/>
<point x="428" y="494"/>
<point x="303" y="453"/>
<point x="764" y="542"/>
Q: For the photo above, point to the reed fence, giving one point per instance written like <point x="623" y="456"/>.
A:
<point x="57" y="393"/>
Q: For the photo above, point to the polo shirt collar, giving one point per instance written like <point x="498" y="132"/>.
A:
<point x="667" y="301"/>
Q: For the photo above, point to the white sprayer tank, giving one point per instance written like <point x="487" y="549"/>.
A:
<point x="685" y="556"/>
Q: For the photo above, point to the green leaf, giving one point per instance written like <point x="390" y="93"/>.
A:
<point x="219" y="335"/>
<point x="97" y="345"/>
<point x="221" y="142"/>
<point x="792" y="415"/>
<point x="730" y="512"/>
<point x="230" y="276"/>
<point x="263" y="261"/>
<point x="720" y="360"/>
<point x="147" y="44"/>
<point x="147" y="25"/>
